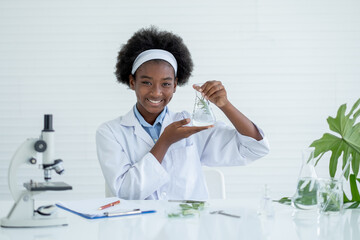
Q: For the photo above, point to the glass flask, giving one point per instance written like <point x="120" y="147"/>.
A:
<point x="330" y="196"/>
<point x="266" y="207"/>
<point x="305" y="196"/>
<point x="202" y="114"/>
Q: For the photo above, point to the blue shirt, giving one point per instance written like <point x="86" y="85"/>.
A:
<point x="152" y="130"/>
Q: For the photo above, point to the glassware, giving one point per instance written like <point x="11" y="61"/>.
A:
<point x="202" y="114"/>
<point x="330" y="196"/>
<point x="305" y="196"/>
<point x="265" y="207"/>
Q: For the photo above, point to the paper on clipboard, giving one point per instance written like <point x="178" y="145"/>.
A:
<point x="90" y="208"/>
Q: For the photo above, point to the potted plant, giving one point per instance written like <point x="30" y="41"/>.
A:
<point x="342" y="145"/>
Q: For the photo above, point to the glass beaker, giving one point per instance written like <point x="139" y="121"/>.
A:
<point x="202" y="114"/>
<point x="330" y="196"/>
<point x="305" y="196"/>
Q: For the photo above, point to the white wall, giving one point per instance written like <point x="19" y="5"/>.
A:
<point x="286" y="64"/>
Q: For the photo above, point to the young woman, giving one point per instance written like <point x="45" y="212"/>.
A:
<point x="153" y="153"/>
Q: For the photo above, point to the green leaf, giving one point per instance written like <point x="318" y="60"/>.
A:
<point x="336" y="152"/>
<point x="337" y="124"/>
<point x="174" y="215"/>
<point x="353" y="137"/>
<point x="353" y="187"/>
<point x="356" y="115"/>
<point x="356" y="104"/>
<point x="185" y="206"/>
<point x="354" y="205"/>
<point x="355" y="163"/>
<point x="203" y="104"/>
<point x="188" y="209"/>
<point x="198" y="206"/>
<point x="346" y="199"/>
<point x="325" y="144"/>
<point x="347" y="144"/>
<point x="331" y="143"/>
<point x="284" y="200"/>
<point x="189" y="212"/>
<point x="346" y="156"/>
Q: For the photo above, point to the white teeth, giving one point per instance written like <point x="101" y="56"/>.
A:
<point x="152" y="101"/>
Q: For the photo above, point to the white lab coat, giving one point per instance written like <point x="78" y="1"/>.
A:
<point x="132" y="172"/>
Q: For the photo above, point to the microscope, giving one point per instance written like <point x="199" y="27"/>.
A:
<point x="23" y="213"/>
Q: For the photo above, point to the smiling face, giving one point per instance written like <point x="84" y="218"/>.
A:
<point x="154" y="86"/>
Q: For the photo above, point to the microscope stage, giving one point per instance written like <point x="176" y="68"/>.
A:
<point x="47" y="186"/>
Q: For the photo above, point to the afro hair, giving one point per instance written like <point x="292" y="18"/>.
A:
<point x="152" y="38"/>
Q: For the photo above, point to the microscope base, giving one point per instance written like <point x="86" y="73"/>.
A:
<point x="33" y="223"/>
<point x="22" y="215"/>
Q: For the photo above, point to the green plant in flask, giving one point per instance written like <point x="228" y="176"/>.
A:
<point x="306" y="196"/>
<point x="330" y="196"/>
<point x="202" y="114"/>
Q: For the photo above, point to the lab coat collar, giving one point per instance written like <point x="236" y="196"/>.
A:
<point x="130" y="120"/>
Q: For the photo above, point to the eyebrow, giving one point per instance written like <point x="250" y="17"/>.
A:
<point x="163" y="79"/>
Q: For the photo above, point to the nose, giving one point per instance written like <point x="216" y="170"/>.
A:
<point x="156" y="90"/>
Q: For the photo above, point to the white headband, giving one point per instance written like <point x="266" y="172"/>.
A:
<point x="154" y="54"/>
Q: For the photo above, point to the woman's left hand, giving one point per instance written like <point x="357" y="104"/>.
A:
<point x="213" y="91"/>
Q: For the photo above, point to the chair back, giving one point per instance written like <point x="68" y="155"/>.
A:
<point x="215" y="182"/>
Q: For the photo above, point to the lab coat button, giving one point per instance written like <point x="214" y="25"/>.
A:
<point x="163" y="194"/>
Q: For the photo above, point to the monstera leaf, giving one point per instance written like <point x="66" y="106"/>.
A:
<point x="346" y="143"/>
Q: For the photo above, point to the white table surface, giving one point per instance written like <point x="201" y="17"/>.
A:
<point x="287" y="223"/>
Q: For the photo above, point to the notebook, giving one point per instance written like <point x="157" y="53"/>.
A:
<point x="90" y="208"/>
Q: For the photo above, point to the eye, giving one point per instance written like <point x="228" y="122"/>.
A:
<point x="166" y="84"/>
<point x="146" y="83"/>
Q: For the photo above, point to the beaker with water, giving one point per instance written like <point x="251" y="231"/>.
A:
<point x="202" y="114"/>
<point x="305" y="196"/>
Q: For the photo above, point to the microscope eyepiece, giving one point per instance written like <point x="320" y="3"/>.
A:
<point x="48" y="123"/>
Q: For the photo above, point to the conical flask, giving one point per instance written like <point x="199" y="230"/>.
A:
<point x="305" y="196"/>
<point x="202" y="114"/>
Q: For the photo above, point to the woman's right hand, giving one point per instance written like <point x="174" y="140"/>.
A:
<point x="177" y="131"/>
<point x="173" y="133"/>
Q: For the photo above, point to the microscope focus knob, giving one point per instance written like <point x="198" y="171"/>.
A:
<point x="40" y="146"/>
<point x="32" y="160"/>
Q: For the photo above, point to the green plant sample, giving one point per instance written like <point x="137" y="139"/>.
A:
<point x="284" y="200"/>
<point x="345" y="143"/>
<point x="330" y="198"/>
<point x="306" y="195"/>
<point x="187" y="210"/>
<point x="202" y="103"/>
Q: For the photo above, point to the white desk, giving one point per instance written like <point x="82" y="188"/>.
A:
<point x="287" y="224"/>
